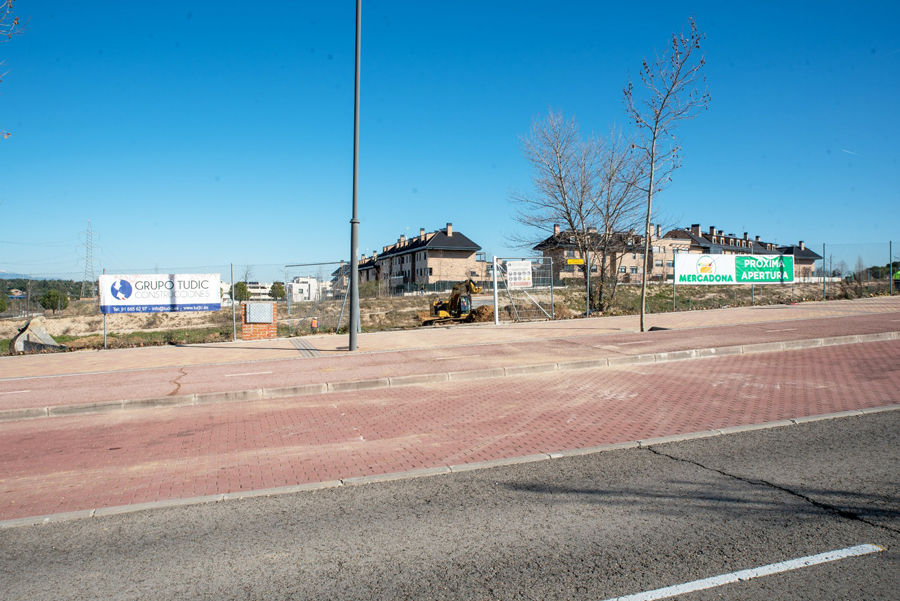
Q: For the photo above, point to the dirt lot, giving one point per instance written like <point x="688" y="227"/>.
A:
<point x="80" y="326"/>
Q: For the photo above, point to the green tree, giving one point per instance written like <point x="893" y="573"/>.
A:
<point x="277" y="291"/>
<point x="2" y="303"/>
<point x="240" y="292"/>
<point x="54" y="301"/>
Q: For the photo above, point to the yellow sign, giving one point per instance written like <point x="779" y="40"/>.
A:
<point x="575" y="261"/>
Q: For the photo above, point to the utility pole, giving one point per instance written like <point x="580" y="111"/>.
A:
<point x="354" y="221"/>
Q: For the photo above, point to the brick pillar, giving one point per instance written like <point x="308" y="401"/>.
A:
<point x="258" y="331"/>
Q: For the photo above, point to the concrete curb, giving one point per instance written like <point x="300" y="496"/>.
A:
<point x="258" y="394"/>
<point x="432" y="471"/>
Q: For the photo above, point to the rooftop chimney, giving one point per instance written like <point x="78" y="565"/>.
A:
<point x="712" y="230"/>
<point x="757" y="238"/>
<point x="402" y="239"/>
<point x="746" y="236"/>
<point x="421" y="233"/>
<point x="695" y="229"/>
<point x="450" y="230"/>
<point x="556" y="229"/>
<point x="802" y="246"/>
<point x="657" y="231"/>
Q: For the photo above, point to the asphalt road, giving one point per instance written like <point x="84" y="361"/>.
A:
<point x="589" y="527"/>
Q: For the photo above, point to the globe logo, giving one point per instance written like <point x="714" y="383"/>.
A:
<point x="121" y="289"/>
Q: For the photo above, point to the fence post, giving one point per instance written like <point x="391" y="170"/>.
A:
<point x="233" y="315"/>
<point x="287" y="299"/>
<point x="890" y="267"/>
<point x="673" y="285"/>
<point x="587" y="267"/>
<point x="104" y="316"/>
<point x="496" y="308"/>
<point x="824" y="292"/>
<point x="552" y="312"/>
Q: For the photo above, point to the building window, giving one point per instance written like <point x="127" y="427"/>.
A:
<point x="570" y="253"/>
<point x="621" y="270"/>
<point x="633" y="270"/>
<point x="670" y="263"/>
<point x="429" y="271"/>
<point x="657" y="263"/>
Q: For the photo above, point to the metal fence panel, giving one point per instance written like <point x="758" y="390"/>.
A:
<point x="519" y="302"/>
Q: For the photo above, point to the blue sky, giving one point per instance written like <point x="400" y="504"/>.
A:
<point x="205" y="133"/>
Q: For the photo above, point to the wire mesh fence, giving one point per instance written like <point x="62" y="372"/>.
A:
<point x="313" y="297"/>
<point x="316" y="297"/>
<point x="525" y="289"/>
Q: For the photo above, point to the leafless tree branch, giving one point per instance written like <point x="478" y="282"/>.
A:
<point x="674" y="89"/>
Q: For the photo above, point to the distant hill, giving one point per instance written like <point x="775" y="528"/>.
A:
<point x="6" y="275"/>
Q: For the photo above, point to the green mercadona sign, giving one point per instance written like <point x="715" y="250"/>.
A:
<point x="707" y="270"/>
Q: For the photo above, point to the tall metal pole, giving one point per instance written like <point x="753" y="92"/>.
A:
<point x="824" y="294"/>
<point x="891" y="267"/>
<point x="354" y="221"/>
<point x="496" y="308"/>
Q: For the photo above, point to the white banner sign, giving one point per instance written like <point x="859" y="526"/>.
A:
<point x="708" y="270"/>
<point x="160" y="293"/>
<point x="518" y="274"/>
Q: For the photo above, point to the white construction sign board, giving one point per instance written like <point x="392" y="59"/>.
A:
<point x="160" y="293"/>
<point x="518" y="274"/>
<point x="710" y="270"/>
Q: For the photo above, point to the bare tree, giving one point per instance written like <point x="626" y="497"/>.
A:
<point x="564" y="170"/>
<point x="672" y="93"/>
<point x="9" y="26"/>
<point x="859" y="271"/>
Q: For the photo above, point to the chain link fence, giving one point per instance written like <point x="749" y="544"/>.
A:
<point x="314" y="297"/>
<point x="525" y="289"/>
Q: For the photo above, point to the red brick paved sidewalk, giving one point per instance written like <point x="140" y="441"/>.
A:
<point x="168" y="383"/>
<point x="429" y="338"/>
<point x="68" y="464"/>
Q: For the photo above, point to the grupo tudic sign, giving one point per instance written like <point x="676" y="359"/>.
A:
<point x="159" y="293"/>
<point x="709" y="270"/>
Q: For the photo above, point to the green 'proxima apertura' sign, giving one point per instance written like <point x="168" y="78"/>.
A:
<point x="764" y="269"/>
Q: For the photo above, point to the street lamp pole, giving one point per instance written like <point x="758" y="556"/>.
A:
<point x="354" y="221"/>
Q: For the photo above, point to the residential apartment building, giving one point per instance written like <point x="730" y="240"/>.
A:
<point x="627" y="251"/>
<point x="431" y="257"/>
<point x="304" y="288"/>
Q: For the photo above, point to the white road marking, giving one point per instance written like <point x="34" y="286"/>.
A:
<point x="772" y="568"/>
<point x="254" y="373"/>
<point x="15" y="392"/>
<point x="784" y="330"/>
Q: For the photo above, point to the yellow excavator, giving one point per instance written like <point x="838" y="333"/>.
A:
<point x="457" y="308"/>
